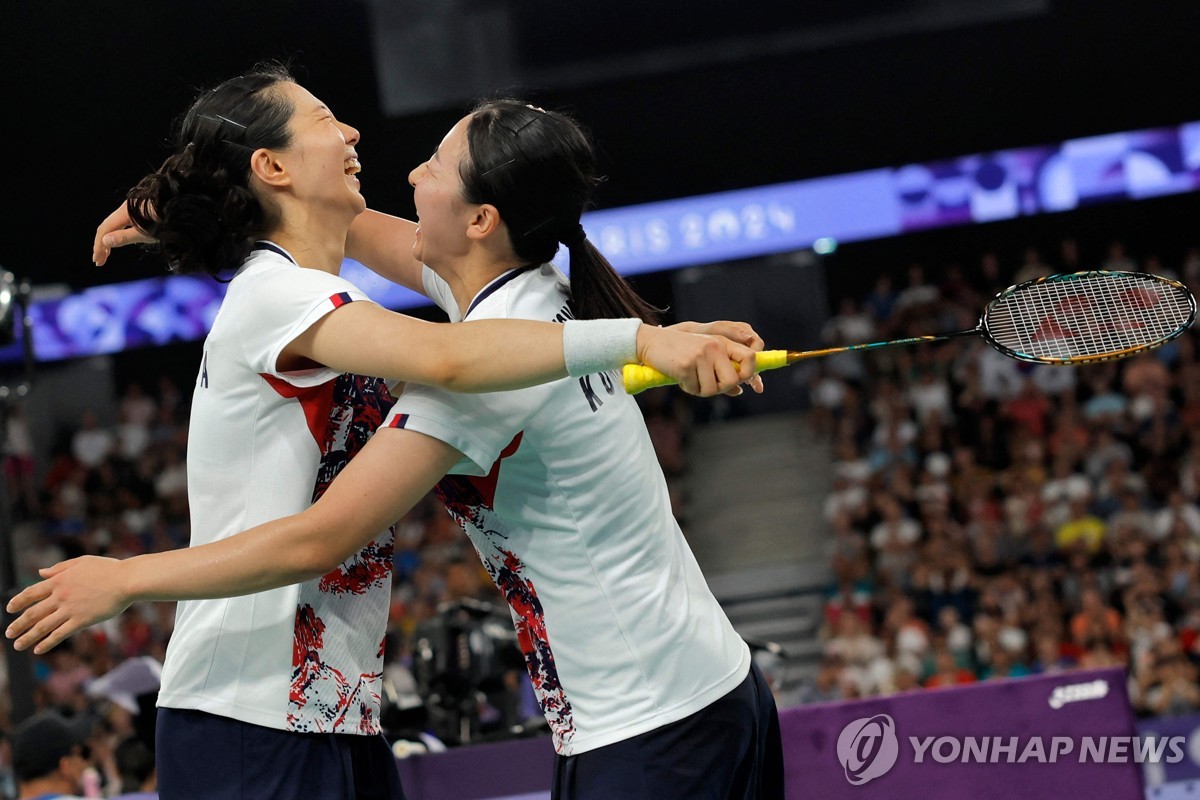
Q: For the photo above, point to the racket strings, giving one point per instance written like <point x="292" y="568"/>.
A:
<point x="1081" y="316"/>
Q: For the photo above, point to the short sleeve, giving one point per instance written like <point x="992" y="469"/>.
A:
<point x="479" y="426"/>
<point x="279" y="304"/>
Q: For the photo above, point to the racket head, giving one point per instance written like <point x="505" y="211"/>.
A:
<point x="1085" y="317"/>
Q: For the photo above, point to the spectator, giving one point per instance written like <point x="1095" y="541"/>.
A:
<point x="990" y="280"/>
<point x="137" y="407"/>
<point x="135" y="765"/>
<point x="850" y="325"/>
<point x="917" y="296"/>
<point x="1051" y="659"/>
<point x="1081" y="526"/>
<point x="1068" y="256"/>
<point x="930" y="397"/>
<point x="1176" y="692"/>
<point x="947" y="672"/>
<point x="1118" y="259"/>
<point x="67" y="675"/>
<point x="854" y="643"/>
<point x="91" y="443"/>
<point x="908" y="635"/>
<point x="1095" y="620"/>
<point x="1028" y="410"/>
<point x="1177" y="513"/>
<point x="1032" y="266"/>
<point x="825" y="686"/>
<point x="19" y="466"/>
<point x="957" y="636"/>
<point x="466" y="580"/>
<point x="852" y="598"/>
<point x="51" y="756"/>
<point x="1004" y="665"/>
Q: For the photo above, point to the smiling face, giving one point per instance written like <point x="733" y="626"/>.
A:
<point x="321" y="162"/>
<point x="442" y="213"/>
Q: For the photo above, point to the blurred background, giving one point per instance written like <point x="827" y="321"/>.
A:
<point x="922" y="516"/>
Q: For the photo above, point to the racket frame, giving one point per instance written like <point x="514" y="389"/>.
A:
<point x="984" y="329"/>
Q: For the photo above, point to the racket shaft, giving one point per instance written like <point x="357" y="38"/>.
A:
<point x="793" y="357"/>
<point x="638" y="377"/>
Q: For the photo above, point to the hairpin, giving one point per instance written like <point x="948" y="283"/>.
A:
<point x="498" y="166"/>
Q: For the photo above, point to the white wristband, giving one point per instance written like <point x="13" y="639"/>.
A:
<point x="596" y="345"/>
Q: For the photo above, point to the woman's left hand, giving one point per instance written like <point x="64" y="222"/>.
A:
<point x="740" y="332"/>
<point x="73" y="595"/>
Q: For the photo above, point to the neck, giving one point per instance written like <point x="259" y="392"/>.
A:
<point x="49" y="784"/>
<point x="316" y="241"/>
<point x="468" y="276"/>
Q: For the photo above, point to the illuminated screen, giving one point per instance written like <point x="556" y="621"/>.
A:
<point x="983" y="187"/>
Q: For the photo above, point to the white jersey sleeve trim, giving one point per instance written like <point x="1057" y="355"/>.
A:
<point x="479" y="425"/>
<point x="475" y="460"/>
<point x="320" y="309"/>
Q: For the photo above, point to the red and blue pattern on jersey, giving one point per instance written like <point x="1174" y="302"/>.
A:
<point x="471" y="502"/>
<point x="342" y="416"/>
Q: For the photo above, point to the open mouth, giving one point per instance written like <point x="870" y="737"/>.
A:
<point x="352" y="166"/>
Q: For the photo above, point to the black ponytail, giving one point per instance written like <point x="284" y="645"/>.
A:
<point x="599" y="292"/>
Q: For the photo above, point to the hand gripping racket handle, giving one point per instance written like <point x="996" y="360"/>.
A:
<point x="639" y="377"/>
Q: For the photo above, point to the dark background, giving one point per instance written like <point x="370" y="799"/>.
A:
<point x="90" y="90"/>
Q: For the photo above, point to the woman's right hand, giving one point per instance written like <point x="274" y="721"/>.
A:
<point x="703" y="364"/>
<point x="73" y="595"/>
<point x="115" y="231"/>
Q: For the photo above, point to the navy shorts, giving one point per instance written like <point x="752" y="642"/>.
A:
<point x="208" y="757"/>
<point x="730" y="750"/>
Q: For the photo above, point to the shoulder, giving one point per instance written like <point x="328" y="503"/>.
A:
<point x="535" y="293"/>
<point x="274" y="278"/>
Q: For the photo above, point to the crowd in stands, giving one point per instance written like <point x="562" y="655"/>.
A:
<point x="989" y="518"/>
<point x="993" y="518"/>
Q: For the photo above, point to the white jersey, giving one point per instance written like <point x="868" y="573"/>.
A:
<point x="263" y="444"/>
<point x="568" y="508"/>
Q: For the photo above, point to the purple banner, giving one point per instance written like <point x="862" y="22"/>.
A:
<point x="520" y="769"/>
<point x="1187" y="770"/>
<point x="1070" y="735"/>
<point x="1039" y="738"/>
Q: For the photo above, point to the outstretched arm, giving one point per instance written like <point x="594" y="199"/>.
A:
<point x="394" y="470"/>
<point x="496" y="355"/>
<point x="483" y="356"/>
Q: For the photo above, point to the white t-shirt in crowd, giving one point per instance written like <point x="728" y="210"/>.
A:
<point x="263" y="444"/>
<point x="563" y="497"/>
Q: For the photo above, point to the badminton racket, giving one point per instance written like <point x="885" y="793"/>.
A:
<point x="1072" y="318"/>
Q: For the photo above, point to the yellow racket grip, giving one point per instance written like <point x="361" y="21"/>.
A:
<point x="639" y="377"/>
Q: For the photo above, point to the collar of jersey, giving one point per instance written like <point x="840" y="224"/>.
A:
<point x="496" y="283"/>
<point x="263" y="244"/>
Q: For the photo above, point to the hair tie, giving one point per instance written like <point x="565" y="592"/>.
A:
<point x="574" y="237"/>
